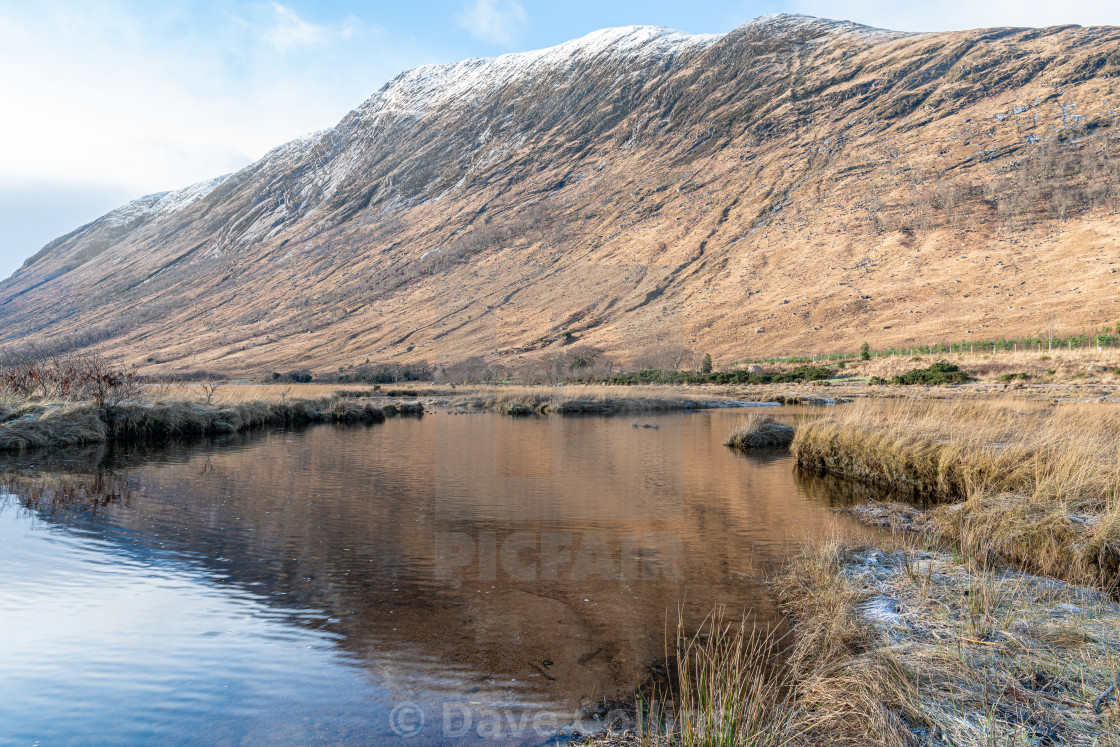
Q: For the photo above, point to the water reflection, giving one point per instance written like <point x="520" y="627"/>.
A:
<point x="479" y="562"/>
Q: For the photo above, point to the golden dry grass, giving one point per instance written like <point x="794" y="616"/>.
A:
<point x="236" y="392"/>
<point x="1035" y="484"/>
<point x="489" y="396"/>
<point x="759" y="431"/>
<point x="32" y="425"/>
<point x="578" y="398"/>
<point x="1055" y="367"/>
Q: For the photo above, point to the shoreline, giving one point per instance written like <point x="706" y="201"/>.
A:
<point x="1031" y="484"/>
<point x="915" y="646"/>
<point x="67" y="424"/>
<point x="987" y="615"/>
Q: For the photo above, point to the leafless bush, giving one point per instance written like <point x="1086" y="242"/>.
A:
<point x="210" y="388"/>
<point x="473" y="370"/>
<point x="667" y="358"/>
<point x="581" y="358"/>
<point x="66" y="377"/>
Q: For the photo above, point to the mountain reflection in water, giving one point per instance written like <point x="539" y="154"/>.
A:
<point x="412" y="579"/>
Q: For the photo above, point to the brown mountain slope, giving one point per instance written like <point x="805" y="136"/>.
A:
<point x="797" y="185"/>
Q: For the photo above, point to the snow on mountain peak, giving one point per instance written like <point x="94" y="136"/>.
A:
<point x="163" y="203"/>
<point x="790" y="21"/>
<point x="424" y="88"/>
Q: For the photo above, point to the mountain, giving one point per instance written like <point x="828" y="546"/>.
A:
<point x="793" y="186"/>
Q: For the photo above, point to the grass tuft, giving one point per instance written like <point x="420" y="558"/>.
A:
<point x="758" y="431"/>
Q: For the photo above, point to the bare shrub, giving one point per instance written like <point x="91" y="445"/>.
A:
<point x="210" y="388"/>
<point x="66" y="377"/>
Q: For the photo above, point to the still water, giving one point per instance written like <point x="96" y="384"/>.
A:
<point x="440" y="580"/>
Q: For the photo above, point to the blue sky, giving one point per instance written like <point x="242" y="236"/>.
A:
<point x="106" y="100"/>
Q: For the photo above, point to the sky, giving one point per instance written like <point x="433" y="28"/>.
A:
<point x="102" y="101"/>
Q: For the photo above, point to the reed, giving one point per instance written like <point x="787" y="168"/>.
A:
<point x="729" y="688"/>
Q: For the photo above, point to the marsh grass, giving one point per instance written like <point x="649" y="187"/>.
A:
<point x="162" y="415"/>
<point x="1033" y="484"/>
<point x="31" y="425"/>
<point x="913" y="646"/>
<point x="578" y="399"/>
<point x="972" y="655"/>
<point x="759" y="431"/>
<point x="729" y="688"/>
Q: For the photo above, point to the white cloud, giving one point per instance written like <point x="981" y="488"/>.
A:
<point x="98" y="94"/>
<point x="288" y="31"/>
<point x="284" y="29"/>
<point x="103" y="100"/>
<point x="494" y="21"/>
<point x="952" y="15"/>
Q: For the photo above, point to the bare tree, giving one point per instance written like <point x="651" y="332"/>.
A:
<point x="667" y="358"/>
<point x="210" y="388"/>
<point x="1051" y="325"/>
<point x="473" y="370"/>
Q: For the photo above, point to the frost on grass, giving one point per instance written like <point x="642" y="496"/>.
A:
<point x="987" y="656"/>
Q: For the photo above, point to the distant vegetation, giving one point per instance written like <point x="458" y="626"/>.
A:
<point x="934" y="375"/>
<point x="1044" y="343"/>
<point x="572" y="362"/>
<point x="365" y="373"/>
<point x="800" y="374"/>
<point x="69" y="400"/>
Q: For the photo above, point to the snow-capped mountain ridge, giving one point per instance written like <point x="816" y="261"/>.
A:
<point x="165" y="203"/>
<point x="423" y="88"/>
<point x="635" y="187"/>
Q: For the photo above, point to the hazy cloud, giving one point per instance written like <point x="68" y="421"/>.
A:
<point x="128" y="99"/>
<point x="106" y="95"/>
<point x="34" y="212"/>
<point x="495" y="21"/>
<point x="284" y="29"/>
